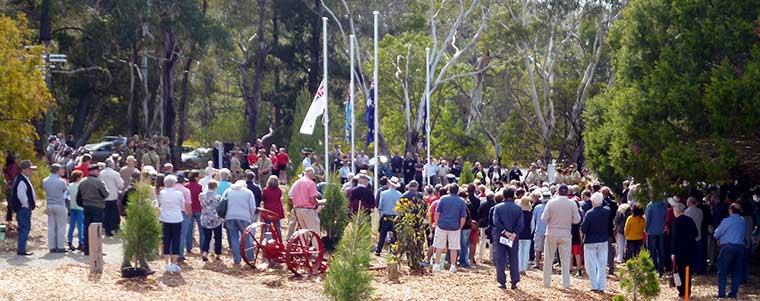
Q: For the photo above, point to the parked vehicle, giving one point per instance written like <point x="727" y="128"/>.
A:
<point x="101" y="150"/>
<point x="194" y="157"/>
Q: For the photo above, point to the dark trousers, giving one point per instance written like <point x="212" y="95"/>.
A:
<point x="681" y="267"/>
<point x="730" y="260"/>
<point x="632" y="248"/>
<point x="656" y="247"/>
<point x="111" y="218"/>
<point x="217" y="232"/>
<point x="91" y="215"/>
<point x="387" y="224"/>
<point x="24" y="217"/>
<point x="172" y="232"/>
<point x="611" y="256"/>
<point x="699" y="263"/>
<point x="503" y="255"/>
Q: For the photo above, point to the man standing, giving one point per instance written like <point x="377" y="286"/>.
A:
<point x="507" y="224"/>
<point x="655" y="228"/>
<point x="91" y="195"/>
<point x="361" y="197"/>
<point x="515" y="173"/>
<point x="683" y="236"/>
<point x="730" y="234"/>
<point x="84" y="165"/>
<point x="187" y="217"/>
<point x="538" y="226"/>
<point x="409" y="167"/>
<point x="114" y="184"/>
<point x="304" y="195"/>
<point x="55" y="188"/>
<point x="264" y="166"/>
<point x="127" y="171"/>
<point x="151" y="157"/>
<point x="559" y="215"/>
<point x="697" y="216"/>
<point x="595" y="235"/>
<point x="23" y="202"/>
<point x="450" y="216"/>
<point x="388" y="213"/>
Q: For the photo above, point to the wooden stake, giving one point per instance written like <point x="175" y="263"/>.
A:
<point x="95" y="245"/>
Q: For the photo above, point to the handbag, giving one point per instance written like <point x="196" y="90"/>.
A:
<point x="221" y="208"/>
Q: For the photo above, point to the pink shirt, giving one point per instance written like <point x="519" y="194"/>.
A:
<point x="188" y="198"/>
<point x="302" y="192"/>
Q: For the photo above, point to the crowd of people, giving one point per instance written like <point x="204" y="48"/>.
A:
<point x="512" y="218"/>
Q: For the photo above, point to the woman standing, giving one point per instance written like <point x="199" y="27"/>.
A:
<point x="634" y="232"/>
<point x="171" y="203"/>
<point x="241" y="212"/>
<point x="211" y="223"/>
<point x="622" y="214"/>
<point x="76" y="213"/>
<point x="272" y="201"/>
<point x="526" y="236"/>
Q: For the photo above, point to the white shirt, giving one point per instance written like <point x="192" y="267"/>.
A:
<point x="21" y="193"/>
<point x="171" y="203"/>
<point x="306" y="163"/>
<point x="113" y="182"/>
<point x="697" y="216"/>
<point x="431" y="169"/>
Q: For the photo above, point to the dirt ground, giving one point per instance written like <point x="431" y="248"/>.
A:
<point x="67" y="277"/>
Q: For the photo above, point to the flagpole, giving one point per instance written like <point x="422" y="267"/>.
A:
<point x="327" y="99"/>
<point x="351" y="100"/>
<point x="377" y="107"/>
<point x="427" y="109"/>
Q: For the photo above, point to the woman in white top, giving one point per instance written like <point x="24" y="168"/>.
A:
<point x="171" y="202"/>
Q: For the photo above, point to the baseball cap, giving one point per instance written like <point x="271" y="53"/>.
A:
<point x="181" y="178"/>
<point x="26" y="164"/>
<point x="94" y="167"/>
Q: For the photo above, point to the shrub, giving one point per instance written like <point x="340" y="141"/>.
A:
<point x="639" y="277"/>
<point x="348" y="277"/>
<point x="411" y="230"/>
<point x="618" y="298"/>
<point x="141" y="231"/>
<point x="467" y="177"/>
<point x="334" y="215"/>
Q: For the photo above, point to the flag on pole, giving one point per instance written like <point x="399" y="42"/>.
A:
<point x="316" y="109"/>
<point x="423" y="132"/>
<point x="348" y="118"/>
<point x="369" y="114"/>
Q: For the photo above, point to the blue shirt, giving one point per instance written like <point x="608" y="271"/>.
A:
<point x="222" y="186"/>
<point x="537" y="223"/>
<point x="594" y="225"/>
<point x="388" y="201"/>
<point x="452" y="210"/>
<point x="731" y="230"/>
<point x="506" y="216"/>
<point x="655" y="218"/>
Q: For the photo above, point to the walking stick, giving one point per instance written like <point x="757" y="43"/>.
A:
<point x="686" y="289"/>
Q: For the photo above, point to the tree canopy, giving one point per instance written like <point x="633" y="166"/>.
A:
<point x="685" y="101"/>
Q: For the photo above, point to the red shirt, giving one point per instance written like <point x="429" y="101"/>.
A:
<point x="433" y="208"/>
<point x="84" y="168"/>
<point x="195" y="192"/>
<point x="252" y="158"/>
<point x="272" y="200"/>
<point x="282" y="159"/>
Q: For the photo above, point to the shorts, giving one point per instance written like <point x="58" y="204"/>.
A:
<point x="282" y="167"/>
<point x="577" y="250"/>
<point x="443" y="236"/>
<point x="538" y="242"/>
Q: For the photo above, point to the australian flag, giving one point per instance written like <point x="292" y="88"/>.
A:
<point x="369" y="114"/>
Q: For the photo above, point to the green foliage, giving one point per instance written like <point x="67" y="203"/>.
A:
<point x="411" y="230"/>
<point x="639" y="277"/>
<point x="678" y="106"/>
<point x="293" y="178"/>
<point x="466" y="177"/>
<point x="618" y="298"/>
<point x="348" y="278"/>
<point x="141" y="231"/>
<point x="334" y="215"/>
<point x="23" y="94"/>
<point x="42" y="172"/>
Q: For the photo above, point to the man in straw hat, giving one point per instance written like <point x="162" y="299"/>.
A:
<point x="388" y="213"/>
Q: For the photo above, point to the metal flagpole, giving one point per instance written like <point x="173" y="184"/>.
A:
<point x="327" y="99"/>
<point x="351" y="100"/>
<point x="427" y="110"/>
<point x="377" y="107"/>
